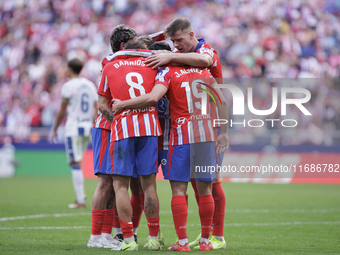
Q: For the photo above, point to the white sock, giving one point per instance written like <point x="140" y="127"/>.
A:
<point x="78" y="184"/>
<point x="129" y="239"/>
<point x="135" y="231"/>
<point x="206" y="240"/>
<point x="153" y="237"/>
<point x="92" y="237"/>
<point x="117" y="231"/>
<point x="182" y="242"/>
<point x="219" y="238"/>
<point x="107" y="236"/>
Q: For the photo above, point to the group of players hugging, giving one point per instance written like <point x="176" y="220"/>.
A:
<point x="155" y="111"/>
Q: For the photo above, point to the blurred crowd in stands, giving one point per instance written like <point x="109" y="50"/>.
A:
<point x="262" y="39"/>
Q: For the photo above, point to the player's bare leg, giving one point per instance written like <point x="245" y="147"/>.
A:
<point x="179" y="208"/>
<point x="136" y="203"/>
<point x="102" y="192"/>
<point x="151" y="209"/>
<point x="124" y="208"/>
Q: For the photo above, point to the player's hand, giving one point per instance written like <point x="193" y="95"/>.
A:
<point x="117" y="106"/>
<point x="54" y="137"/>
<point x="157" y="60"/>
<point x="222" y="143"/>
<point x="160" y="51"/>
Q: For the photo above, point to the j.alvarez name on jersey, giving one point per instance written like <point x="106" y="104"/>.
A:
<point x="188" y="71"/>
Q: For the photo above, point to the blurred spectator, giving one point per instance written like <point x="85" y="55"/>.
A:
<point x="254" y="38"/>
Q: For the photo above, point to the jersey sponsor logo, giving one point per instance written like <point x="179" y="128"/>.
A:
<point x="126" y="112"/>
<point x="181" y="120"/>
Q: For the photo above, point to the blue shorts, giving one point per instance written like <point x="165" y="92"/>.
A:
<point x="163" y="161"/>
<point x="102" y="162"/>
<point x="135" y="156"/>
<point x="192" y="161"/>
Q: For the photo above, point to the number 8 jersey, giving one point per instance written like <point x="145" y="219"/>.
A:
<point x="123" y="80"/>
<point x="189" y="108"/>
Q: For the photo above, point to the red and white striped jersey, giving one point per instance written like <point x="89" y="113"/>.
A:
<point x="100" y="121"/>
<point x="188" y="124"/>
<point x="125" y="80"/>
<point x="215" y="70"/>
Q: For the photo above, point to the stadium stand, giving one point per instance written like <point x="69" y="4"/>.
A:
<point x="259" y="39"/>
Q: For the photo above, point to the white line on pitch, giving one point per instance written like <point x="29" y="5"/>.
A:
<point x="264" y="211"/>
<point x="195" y="225"/>
<point x="56" y="215"/>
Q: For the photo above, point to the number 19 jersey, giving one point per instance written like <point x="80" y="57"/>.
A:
<point x="189" y="123"/>
<point x="123" y="80"/>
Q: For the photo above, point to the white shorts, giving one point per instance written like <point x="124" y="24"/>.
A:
<point x="75" y="147"/>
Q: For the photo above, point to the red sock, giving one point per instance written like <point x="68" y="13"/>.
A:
<point x="180" y="214"/>
<point x="219" y="198"/>
<point x="153" y="224"/>
<point x="187" y="199"/>
<point x="206" y="211"/>
<point x="108" y="222"/>
<point x="193" y="184"/>
<point x="115" y="222"/>
<point x="98" y="216"/>
<point x="141" y="196"/>
<point x="127" y="228"/>
<point x="137" y="210"/>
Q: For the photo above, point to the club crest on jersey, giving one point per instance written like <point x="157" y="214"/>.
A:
<point x="181" y="120"/>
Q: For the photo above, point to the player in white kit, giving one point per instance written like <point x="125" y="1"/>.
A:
<point x="79" y="100"/>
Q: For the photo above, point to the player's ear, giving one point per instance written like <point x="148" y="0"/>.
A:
<point x="192" y="35"/>
<point x="122" y="45"/>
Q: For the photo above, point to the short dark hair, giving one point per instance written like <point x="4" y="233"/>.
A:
<point x="121" y="33"/>
<point x="146" y="39"/>
<point x="160" y="46"/>
<point x="176" y="25"/>
<point x="135" y="45"/>
<point x="75" y="65"/>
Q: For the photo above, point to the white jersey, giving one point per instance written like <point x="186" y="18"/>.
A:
<point x="82" y="95"/>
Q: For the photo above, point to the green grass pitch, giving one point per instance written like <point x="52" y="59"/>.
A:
<point x="260" y="218"/>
